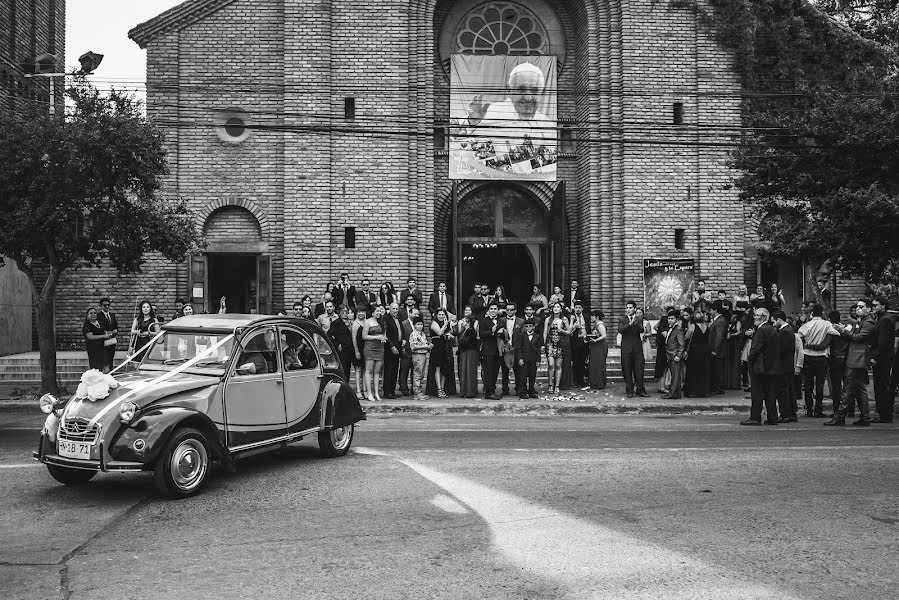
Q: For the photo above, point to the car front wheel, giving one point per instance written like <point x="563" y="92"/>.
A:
<point x="184" y="464"/>
<point x="335" y="442"/>
<point x="70" y="476"/>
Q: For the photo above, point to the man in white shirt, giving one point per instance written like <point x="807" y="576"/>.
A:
<point x="816" y="334"/>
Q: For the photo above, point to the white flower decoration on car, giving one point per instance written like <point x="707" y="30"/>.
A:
<point x="95" y="385"/>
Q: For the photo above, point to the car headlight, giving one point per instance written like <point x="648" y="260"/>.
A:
<point x="48" y="403"/>
<point x="127" y="410"/>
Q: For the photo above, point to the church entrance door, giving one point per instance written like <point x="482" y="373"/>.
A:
<point x="241" y="279"/>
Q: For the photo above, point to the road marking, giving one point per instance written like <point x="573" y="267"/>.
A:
<point x="587" y="560"/>
<point x="450" y="505"/>
<point x="20" y="465"/>
<point x="368" y="451"/>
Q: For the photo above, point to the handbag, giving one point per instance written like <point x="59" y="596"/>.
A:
<point x="110" y="342"/>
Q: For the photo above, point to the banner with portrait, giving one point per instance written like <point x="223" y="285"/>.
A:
<point x="503" y="118"/>
<point x="667" y="283"/>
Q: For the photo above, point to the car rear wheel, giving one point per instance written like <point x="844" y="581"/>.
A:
<point x="184" y="464"/>
<point x="335" y="442"/>
<point x="70" y="476"/>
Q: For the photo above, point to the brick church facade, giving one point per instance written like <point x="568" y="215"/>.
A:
<point x="309" y="138"/>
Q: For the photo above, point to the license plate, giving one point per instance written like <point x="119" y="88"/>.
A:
<point x="80" y="450"/>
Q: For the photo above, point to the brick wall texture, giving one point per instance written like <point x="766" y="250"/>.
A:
<point x="305" y="172"/>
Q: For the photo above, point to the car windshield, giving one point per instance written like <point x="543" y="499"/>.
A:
<point x="176" y="348"/>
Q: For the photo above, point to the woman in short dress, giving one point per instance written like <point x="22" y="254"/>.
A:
<point x="358" y="360"/>
<point x="599" y="352"/>
<point x="538" y="299"/>
<point x="469" y="355"/>
<point x="555" y="332"/>
<point x="94" y="336"/>
<point x="441" y="380"/>
<point x="144" y="327"/>
<point x="374" y="337"/>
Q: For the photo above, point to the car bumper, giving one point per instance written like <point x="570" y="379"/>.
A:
<point x="88" y="465"/>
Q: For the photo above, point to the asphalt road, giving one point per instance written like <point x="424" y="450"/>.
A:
<point x="613" y="507"/>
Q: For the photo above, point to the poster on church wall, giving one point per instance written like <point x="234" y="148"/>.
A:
<point x="666" y="283"/>
<point x="503" y="118"/>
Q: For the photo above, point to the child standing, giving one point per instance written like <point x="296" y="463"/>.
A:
<point x="421" y="348"/>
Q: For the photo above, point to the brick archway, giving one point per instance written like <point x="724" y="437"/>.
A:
<point x="252" y="207"/>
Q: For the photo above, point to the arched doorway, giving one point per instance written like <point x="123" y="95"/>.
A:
<point x="502" y="239"/>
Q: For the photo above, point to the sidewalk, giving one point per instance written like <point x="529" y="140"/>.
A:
<point x="612" y="400"/>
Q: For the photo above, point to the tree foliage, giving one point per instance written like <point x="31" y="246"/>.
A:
<point x="83" y="190"/>
<point x="819" y="150"/>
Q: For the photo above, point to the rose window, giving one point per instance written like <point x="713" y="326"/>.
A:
<point x="501" y="28"/>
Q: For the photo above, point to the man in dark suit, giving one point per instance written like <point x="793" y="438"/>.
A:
<point x="412" y="290"/>
<point x="764" y="356"/>
<point x="630" y="326"/>
<point x="406" y="308"/>
<point x="675" y="344"/>
<point x="491" y="333"/>
<point x="344" y="293"/>
<point x="786" y="397"/>
<point x="320" y="308"/>
<point x="406" y="355"/>
<point x="392" y="351"/>
<point x="513" y="324"/>
<point x="579" y="330"/>
<point x="480" y="302"/>
<point x="881" y="359"/>
<point x="860" y="335"/>
<point x="526" y="346"/>
<point x="441" y="299"/>
<point x="107" y="320"/>
<point x="718" y="345"/>
<point x="364" y="296"/>
<point x="572" y="297"/>
<point x="340" y="334"/>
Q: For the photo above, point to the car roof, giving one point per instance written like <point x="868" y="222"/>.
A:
<point x="229" y="322"/>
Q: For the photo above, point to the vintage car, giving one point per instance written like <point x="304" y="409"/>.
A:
<point x="210" y="388"/>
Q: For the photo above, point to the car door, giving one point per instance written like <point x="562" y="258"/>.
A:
<point x="254" y="393"/>
<point x="302" y="380"/>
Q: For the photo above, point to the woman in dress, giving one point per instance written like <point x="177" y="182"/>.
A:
<point x="358" y="361"/>
<point x="374" y="337"/>
<point x="144" y="327"/>
<point x="758" y="299"/>
<point x="387" y="294"/>
<point x="775" y="300"/>
<point x="661" y="363"/>
<point x="599" y="351"/>
<point x="94" y="336"/>
<point x="699" y="354"/>
<point x="499" y="296"/>
<point x="557" y="296"/>
<point x="555" y="332"/>
<point x="538" y="299"/>
<point x="441" y="378"/>
<point x="469" y="356"/>
<point x="644" y="337"/>
<point x="735" y="346"/>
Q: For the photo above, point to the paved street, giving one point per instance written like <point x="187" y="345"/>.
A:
<point x="687" y="506"/>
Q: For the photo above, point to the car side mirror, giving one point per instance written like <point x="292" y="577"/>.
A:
<point x="246" y="369"/>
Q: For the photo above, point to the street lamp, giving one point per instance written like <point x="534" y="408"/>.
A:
<point x="46" y="64"/>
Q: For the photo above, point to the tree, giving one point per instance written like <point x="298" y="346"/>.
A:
<point x="84" y="190"/>
<point x="818" y="154"/>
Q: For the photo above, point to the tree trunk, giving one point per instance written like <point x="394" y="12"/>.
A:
<point x="815" y="270"/>
<point x="46" y="340"/>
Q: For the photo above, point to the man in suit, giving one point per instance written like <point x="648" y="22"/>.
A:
<point x="630" y="326"/>
<point x="319" y="309"/>
<point x="344" y="293"/>
<point x="441" y="299"/>
<point x="107" y="320"/>
<point x="408" y="327"/>
<point x="526" y="347"/>
<point x="491" y="333"/>
<point x="364" y="296"/>
<point x="340" y="334"/>
<point x="786" y="340"/>
<point x="406" y="308"/>
<point x="579" y="332"/>
<point x="480" y="301"/>
<point x="718" y="345"/>
<point x="764" y="356"/>
<point x="412" y="290"/>
<point x="393" y="349"/>
<point x="861" y="336"/>
<point x="572" y="297"/>
<point x="476" y="293"/>
<point x="881" y="360"/>
<point x="514" y="324"/>
<point x="675" y="344"/>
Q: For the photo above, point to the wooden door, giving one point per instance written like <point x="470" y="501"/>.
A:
<point x="264" y="285"/>
<point x="198" y="283"/>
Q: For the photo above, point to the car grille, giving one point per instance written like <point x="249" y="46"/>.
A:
<point x="78" y="430"/>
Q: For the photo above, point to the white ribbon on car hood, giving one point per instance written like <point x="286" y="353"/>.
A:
<point x="160" y="379"/>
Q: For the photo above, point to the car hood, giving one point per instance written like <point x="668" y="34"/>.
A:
<point x="140" y="389"/>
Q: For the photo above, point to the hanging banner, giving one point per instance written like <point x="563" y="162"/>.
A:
<point x="503" y="118"/>
<point x="666" y="283"/>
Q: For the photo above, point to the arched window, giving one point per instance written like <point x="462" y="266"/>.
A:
<point x="501" y="28"/>
<point x="501" y="212"/>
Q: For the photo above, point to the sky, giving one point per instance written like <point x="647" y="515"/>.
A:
<point x="102" y="26"/>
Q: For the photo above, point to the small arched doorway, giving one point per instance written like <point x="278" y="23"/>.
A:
<point x="502" y="239"/>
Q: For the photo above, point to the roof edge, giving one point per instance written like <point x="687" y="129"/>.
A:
<point x="175" y="18"/>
